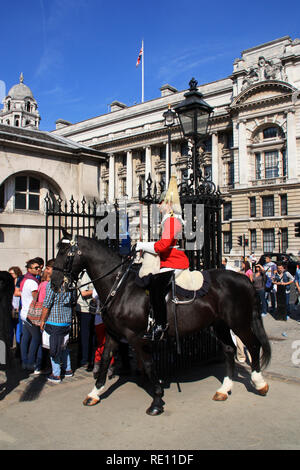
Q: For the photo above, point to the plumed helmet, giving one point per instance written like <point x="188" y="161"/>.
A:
<point x="172" y="196"/>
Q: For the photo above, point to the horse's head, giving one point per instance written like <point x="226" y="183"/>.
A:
<point x="67" y="264"/>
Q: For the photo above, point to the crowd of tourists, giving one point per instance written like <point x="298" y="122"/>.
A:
<point x="272" y="282"/>
<point x="41" y="322"/>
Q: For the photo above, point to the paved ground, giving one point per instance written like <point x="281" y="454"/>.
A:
<point x="39" y="415"/>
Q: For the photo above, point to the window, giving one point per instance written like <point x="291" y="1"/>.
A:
<point x="208" y="144"/>
<point x="227" y="211"/>
<point x="162" y="183"/>
<point x="184" y="149"/>
<point x="227" y="242"/>
<point x="143" y="156"/>
<point x="142" y="184"/>
<point x="230" y="173"/>
<point x="283" y="204"/>
<point x="267" y="164"/>
<point x="270" y="132"/>
<point x="27" y="193"/>
<point x="252" y="202"/>
<point x="253" y="241"/>
<point x="284" y="239"/>
<point x="271" y="164"/>
<point x="228" y="140"/>
<point x="284" y="163"/>
<point x="268" y="206"/>
<point x="122" y="186"/>
<point x="257" y="166"/>
<point x="268" y="240"/>
<point x="162" y="153"/>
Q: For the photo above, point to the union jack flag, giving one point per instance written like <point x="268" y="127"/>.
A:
<point x="139" y="57"/>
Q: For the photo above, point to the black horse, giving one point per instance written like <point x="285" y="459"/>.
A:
<point x="230" y="304"/>
<point x="7" y="288"/>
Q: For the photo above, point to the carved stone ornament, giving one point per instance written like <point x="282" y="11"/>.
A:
<point x="264" y="70"/>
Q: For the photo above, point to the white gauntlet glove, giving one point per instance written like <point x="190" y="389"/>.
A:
<point x="146" y="246"/>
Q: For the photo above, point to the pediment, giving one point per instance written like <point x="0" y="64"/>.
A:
<point x="267" y="91"/>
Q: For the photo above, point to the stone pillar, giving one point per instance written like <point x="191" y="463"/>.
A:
<point x="243" y="157"/>
<point x="215" y="159"/>
<point x="291" y="145"/>
<point x="148" y="163"/>
<point x="129" y="174"/>
<point x="111" y="184"/>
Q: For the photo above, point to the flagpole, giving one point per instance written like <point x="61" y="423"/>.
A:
<point x="143" y="70"/>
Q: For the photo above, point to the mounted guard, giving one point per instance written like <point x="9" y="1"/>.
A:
<point x="172" y="260"/>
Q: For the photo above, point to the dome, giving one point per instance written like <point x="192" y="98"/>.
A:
<point x="20" y="91"/>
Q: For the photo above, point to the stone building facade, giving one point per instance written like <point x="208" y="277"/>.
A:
<point x="34" y="164"/>
<point x="252" y="154"/>
<point x="252" y="151"/>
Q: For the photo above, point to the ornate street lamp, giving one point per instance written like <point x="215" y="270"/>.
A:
<point x="193" y="113"/>
<point x="169" y="117"/>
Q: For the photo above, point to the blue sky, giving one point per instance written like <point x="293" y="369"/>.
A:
<point x="78" y="56"/>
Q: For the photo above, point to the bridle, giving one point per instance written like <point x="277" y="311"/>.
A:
<point x="70" y="280"/>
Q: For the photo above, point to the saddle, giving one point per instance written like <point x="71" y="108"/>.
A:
<point x="189" y="284"/>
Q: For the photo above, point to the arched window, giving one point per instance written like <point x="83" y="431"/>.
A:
<point x="28" y="106"/>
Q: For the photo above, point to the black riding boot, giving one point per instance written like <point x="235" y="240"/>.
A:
<point x="158" y="289"/>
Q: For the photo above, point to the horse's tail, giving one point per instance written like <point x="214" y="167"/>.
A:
<point x="260" y="333"/>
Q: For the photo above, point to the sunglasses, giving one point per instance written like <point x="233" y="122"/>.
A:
<point x="35" y="267"/>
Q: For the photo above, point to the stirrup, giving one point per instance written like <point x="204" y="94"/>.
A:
<point x="156" y="333"/>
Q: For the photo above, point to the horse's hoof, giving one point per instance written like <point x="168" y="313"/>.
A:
<point x="154" y="411"/>
<point x="218" y="396"/>
<point x="263" y="391"/>
<point x="89" y="401"/>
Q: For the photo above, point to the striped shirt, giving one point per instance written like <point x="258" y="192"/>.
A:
<point x="60" y="307"/>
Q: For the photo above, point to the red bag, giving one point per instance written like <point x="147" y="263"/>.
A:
<point x="34" y="313"/>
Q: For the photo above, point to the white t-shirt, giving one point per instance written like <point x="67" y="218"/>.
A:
<point x="26" y="296"/>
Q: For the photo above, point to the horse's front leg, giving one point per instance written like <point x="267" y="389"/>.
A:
<point x="94" y="396"/>
<point x="144" y="353"/>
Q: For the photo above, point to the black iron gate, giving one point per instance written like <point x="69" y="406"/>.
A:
<point x="82" y="218"/>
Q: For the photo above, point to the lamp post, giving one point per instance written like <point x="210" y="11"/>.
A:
<point x="193" y="113"/>
<point x="279" y="240"/>
<point x="169" y="117"/>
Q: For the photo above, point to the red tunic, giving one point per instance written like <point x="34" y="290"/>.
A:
<point x="171" y="257"/>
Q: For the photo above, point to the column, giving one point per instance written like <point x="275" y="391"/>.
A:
<point x="291" y="145"/>
<point x="243" y="157"/>
<point x="111" y="184"/>
<point x="129" y="174"/>
<point x="148" y="164"/>
<point x="215" y="159"/>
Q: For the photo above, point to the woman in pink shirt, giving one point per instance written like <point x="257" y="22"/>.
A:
<point x="247" y="270"/>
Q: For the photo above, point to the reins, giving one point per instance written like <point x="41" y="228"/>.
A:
<point x="67" y="271"/>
